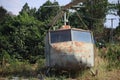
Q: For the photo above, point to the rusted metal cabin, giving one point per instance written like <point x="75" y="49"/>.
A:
<point x="69" y="48"/>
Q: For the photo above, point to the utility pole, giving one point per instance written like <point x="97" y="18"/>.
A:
<point x="111" y="32"/>
<point x="118" y="2"/>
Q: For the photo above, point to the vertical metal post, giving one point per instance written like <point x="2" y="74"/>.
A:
<point x="65" y="18"/>
<point x="49" y="48"/>
<point x="111" y="32"/>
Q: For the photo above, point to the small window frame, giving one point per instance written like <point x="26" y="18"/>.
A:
<point x="71" y="35"/>
<point x="60" y="31"/>
<point x="76" y="31"/>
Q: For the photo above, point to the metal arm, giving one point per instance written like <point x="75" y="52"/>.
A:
<point x="73" y="3"/>
<point x="62" y="11"/>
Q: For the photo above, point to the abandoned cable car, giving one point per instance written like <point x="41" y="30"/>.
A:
<point x="69" y="48"/>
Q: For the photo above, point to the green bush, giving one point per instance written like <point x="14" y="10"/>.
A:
<point x="113" y="56"/>
<point x="4" y="58"/>
<point x="16" y="67"/>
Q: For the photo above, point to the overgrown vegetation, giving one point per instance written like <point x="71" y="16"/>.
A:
<point x="112" y="55"/>
<point x="22" y="38"/>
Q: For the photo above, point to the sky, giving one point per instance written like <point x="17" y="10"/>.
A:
<point x="15" y="6"/>
<point x="115" y="22"/>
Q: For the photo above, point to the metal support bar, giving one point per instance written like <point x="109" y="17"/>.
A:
<point x="111" y="32"/>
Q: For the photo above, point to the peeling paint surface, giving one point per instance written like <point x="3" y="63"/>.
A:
<point x="69" y="48"/>
<point x="72" y="54"/>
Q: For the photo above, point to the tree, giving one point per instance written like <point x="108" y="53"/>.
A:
<point x="92" y="15"/>
<point x="3" y="13"/>
<point x="32" y="12"/>
<point x="117" y="30"/>
<point x="28" y="37"/>
<point x="22" y="37"/>
<point x="25" y="9"/>
<point x="118" y="7"/>
<point x="118" y="12"/>
<point x="6" y="30"/>
<point x="47" y="11"/>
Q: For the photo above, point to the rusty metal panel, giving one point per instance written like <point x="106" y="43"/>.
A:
<point x="72" y="53"/>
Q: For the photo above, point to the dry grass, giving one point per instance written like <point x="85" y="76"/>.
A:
<point x="102" y="72"/>
<point x="101" y="69"/>
<point x="2" y="78"/>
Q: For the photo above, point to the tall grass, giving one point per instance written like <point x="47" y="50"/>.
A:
<point x="107" y="63"/>
<point x="21" y="68"/>
<point x="112" y="55"/>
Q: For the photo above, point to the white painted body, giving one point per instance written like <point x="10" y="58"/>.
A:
<point x="69" y="54"/>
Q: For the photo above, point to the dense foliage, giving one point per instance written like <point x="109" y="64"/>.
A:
<point x="117" y="31"/>
<point x="92" y="15"/>
<point x="112" y="55"/>
<point x="22" y="36"/>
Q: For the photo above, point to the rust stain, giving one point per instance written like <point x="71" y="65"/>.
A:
<point x="68" y="54"/>
<point x="71" y="47"/>
<point x="65" y="27"/>
<point x="78" y="44"/>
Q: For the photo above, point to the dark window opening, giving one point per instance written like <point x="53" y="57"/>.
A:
<point x="60" y="36"/>
<point x="71" y="35"/>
